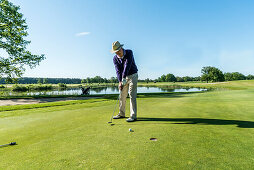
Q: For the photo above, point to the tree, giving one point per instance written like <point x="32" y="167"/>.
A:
<point x="105" y="80"/>
<point x="228" y="76"/>
<point x="234" y="76"/>
<point x="113" y="80"/>
<point x="187" y="78"/>
<point x="170" y="78"/>
<point x="179" y="79"/>
<point x="162" y="78"/>
<point x="197" y="78"/>
<point x="45" y="81"/>
<point x="89" y="80"/>
<point x="39" y="81"/>
<point x="212" y="74"/>
<point x="147" y="80"/>
<point x="83" y="81"/>
<point x="238" y="76"/>
<point x="98" y="79"/>
<point x="13" y="29"/>
<point x="250" y="77"/>
<point x="205" y="74"/>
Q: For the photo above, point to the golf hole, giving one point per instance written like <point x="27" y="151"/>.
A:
<point x="153" y="139"/>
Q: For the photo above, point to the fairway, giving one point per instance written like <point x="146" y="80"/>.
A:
<point x="204" y="130"/>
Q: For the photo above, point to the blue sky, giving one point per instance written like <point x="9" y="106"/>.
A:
<point x="166" y="36"/>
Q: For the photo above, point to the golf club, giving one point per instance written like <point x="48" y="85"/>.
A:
<point x="12" y="143"/>
<point x="115" y="108"/>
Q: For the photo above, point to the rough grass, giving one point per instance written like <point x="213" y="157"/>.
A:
<point x="232" y="85"/>
<point x="211" y="130"/>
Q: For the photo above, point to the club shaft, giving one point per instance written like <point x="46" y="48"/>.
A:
<point x="115" y="107"/>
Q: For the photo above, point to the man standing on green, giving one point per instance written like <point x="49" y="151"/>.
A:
<point x="127" y="74"/>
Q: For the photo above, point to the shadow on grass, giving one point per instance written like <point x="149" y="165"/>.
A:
<point x="239" y="123"/>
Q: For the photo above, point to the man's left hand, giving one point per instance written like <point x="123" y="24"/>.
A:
<point x="120" y="86"/>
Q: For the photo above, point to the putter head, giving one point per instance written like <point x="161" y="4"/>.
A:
<point x="13" y="143"/>
<point x="109" y="122"/>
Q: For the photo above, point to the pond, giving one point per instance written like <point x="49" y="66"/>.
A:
<point x="111" y="90"/>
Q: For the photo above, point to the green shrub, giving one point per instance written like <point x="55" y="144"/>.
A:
<point x="45" y="87"/>
<point x="19" y="88"/>
<point x="2" y="86"/>
<point x="40" y="87"/>
<point x="62" y="86"/>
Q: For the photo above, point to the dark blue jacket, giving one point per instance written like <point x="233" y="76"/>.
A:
<point x="125" y="66"/>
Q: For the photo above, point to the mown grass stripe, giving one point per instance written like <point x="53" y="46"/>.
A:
<point x="49" y="104"/>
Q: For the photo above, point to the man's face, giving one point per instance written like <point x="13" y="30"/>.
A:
<point x="120" y="53"/>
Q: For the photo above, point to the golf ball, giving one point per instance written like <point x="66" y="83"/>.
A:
<point x="130" y="130"/>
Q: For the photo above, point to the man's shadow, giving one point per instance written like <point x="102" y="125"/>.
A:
<point x="239" y="123"/>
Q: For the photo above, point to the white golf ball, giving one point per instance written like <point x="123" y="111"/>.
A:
<point x="130" y="130"/>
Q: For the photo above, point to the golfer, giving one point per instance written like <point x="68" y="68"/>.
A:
<point x="127" y="74"/>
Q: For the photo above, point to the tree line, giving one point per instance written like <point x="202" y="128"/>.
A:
<point x="209" y="74"/>
<point x="213" y="74"/>
<point x="34" y="80"/>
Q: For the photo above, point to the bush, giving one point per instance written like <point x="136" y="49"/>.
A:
<point x="40" y="87"/>
<point x="19" y="88"/>
<point x="2" y="86"/>
<point x="62" y="86"/>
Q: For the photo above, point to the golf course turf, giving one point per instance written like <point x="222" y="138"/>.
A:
<point x="203" y="130"/>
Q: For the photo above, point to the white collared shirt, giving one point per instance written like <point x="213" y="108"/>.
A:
<point x="122" y="56"/>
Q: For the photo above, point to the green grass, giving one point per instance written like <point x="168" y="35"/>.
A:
<point x="211" y="130"/>
<point x="232" y="85"/>
<point x="48" y="96"/>
<point x="50" y="104"/>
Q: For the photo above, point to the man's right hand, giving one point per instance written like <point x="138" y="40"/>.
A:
<point x="120" y="86"/>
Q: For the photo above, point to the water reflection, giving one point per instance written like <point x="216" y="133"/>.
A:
<point x="114" y="90"/>
<point x="100" y="90"/>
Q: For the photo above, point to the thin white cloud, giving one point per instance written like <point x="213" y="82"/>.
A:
<point x="82" y="34"/>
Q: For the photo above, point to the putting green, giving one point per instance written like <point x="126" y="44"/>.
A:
<point x="211" y="130"/>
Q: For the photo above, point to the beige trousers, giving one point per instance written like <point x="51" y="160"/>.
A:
<point x="131" y="85"/>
